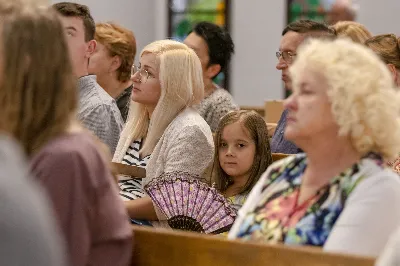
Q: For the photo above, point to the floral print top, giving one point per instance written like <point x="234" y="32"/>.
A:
<point x="238" y="200"/>
<point x="395" y="165"/>
<point x="271" y="213"/>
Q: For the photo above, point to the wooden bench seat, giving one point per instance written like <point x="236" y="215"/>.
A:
<point x="157" y="247"/>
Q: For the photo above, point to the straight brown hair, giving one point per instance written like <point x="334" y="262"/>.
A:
<point x="38" y="94"/>
<point x="257" y="128"/>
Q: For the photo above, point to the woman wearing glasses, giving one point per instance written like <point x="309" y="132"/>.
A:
<point x="163" y="133"/>
<point x="338" y="193"/>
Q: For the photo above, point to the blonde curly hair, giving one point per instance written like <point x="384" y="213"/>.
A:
<point x="364" y="101"/>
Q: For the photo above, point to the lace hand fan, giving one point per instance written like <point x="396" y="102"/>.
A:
<point x="190" y="204"/>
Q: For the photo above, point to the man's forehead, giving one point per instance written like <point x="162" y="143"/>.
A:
<point x="75" y="22"/>
<point x="291" y="41"/>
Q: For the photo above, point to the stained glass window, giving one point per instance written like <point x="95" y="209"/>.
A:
<point x="305" y="9"/>
<point x="184" y="14"/>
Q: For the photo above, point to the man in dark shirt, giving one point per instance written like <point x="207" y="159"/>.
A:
<point x="292" y="36"/>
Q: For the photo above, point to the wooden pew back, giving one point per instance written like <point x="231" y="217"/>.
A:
<point x="155" y="247"/>
<point x="279" y="156"/>
<point x="258" y="109"/>
<point x="130" y="170"/>
<point x="273" y="111"/>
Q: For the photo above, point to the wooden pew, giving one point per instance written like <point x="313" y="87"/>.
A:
<point x="133" y="171"/>
<point x="273" y="111"/>
<point x="157" y="247"/>
<point x="258" y="109"/>
<point x="279" y="156"/>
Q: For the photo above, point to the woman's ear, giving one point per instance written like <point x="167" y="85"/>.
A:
<point x="395" y="73"/>
<point x="392" y="69"/>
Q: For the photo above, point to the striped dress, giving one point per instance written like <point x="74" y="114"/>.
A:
<point x="131" y="189"/>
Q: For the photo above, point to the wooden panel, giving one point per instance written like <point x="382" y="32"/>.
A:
<point x="279" y="156"/>
<point x="258" y="109"/>
<point x="273" y="111"/>
<point x="159" y="247"/>
<point x="133" y="171"/>
<point x="271" y="129"/>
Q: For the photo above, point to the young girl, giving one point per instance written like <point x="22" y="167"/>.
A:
<point x="242" y="154"/>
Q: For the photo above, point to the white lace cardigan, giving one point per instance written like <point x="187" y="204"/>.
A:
<point x="186" y="145"/>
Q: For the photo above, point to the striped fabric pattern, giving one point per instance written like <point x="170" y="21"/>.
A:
<point x="131" y="189"/>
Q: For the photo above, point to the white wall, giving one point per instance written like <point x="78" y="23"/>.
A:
<point x="380" y="16"/>
<point x="140" y="16"/>
<point x="256" y="31"/>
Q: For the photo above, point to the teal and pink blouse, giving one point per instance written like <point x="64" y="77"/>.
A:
<point x="271" y="213"/>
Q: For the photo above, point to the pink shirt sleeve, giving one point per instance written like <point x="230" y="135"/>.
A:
<point x="85" y="197"/>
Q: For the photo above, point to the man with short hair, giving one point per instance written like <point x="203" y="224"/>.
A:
<point x="292" y="36"/>
<point x="97" y="111"/>
<point x="214" y="47"/>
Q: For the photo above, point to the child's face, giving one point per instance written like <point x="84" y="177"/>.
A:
<point x="236" y="151"/>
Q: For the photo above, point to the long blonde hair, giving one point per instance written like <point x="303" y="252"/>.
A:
<point x="181" y="81"/>
<point x="37" y="91"/>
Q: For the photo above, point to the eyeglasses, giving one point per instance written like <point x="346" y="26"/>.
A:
<point x="288" y="57"/>
<point x="143" y="73"/>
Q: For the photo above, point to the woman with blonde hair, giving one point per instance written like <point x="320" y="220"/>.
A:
<point x="355" y="31"/>
<point x="338" y="194"/>
<point x="38" y="96"/>
<point x="112" y="61"/>
<point x="163" y="133"/>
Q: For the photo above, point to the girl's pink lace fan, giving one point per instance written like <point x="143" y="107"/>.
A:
<point x="190" y="204"/>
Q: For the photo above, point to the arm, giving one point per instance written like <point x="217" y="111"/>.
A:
<point x="27" y="221"/>
<point x="112" y="233"/>
<point x="60" y="177"/>
<point x="87" y="204"/>
<point x="191" y="151"/>
<point x="141" y="209"/>
<point x="105" y="124"/>
<point x="370" y="216"/>
<point x="390" y="255"/>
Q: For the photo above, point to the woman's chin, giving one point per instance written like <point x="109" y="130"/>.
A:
<point x="290" y="134"/>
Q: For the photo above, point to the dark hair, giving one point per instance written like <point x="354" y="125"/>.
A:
<point x="219" y="42"/>
<point x="309" y="27"/>
<point x="257" y="128"/>
<point x="68" y="9"/>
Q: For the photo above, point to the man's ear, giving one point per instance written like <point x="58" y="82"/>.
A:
<point x="91" y="48"/>
<point x="116" y="63"/>
<point x="213" y="70"/>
